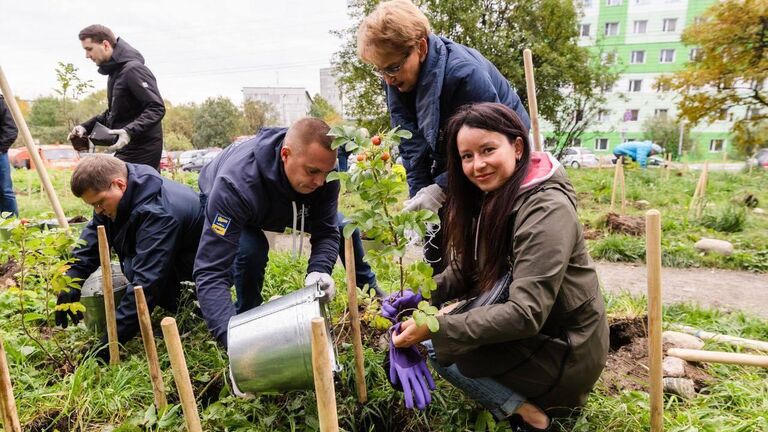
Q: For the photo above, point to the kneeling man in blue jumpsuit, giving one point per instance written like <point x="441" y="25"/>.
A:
<point x="638" y="151"/>
<point x="268" y="183"/>
<point x="151" y="222"/>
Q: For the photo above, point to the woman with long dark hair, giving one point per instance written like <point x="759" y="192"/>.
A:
<point x="529" y="338"/>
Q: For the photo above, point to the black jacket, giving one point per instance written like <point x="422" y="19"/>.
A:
<point x="246" y="188"/>
<point x="8" y="130"/>
<point x="134" y="104"/>
<point x="155" y="237"/>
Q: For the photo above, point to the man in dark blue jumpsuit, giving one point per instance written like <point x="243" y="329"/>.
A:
<point x="152" y="223"/>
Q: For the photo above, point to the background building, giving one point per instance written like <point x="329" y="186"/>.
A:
<point x="291" y="103"/>
<point x="330" y="90"/>
<point x="643" y="38"/>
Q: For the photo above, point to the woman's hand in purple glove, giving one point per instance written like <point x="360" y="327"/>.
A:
<point x="395" y="303"/>
<point x="408" y="372"/>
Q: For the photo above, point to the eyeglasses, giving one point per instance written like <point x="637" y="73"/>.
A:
<point x="391" y="71"/>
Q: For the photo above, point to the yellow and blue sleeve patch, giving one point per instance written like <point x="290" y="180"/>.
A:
<point x="220" y="224"/>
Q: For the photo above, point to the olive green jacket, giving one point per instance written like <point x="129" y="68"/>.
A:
<point x="549" y="341"/>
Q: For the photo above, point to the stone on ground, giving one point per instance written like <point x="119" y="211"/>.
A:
<point x="708" y="245"/>
<point x="673" y="367"/>
<point x="681" y="340"/>
<point x="682" y="387"/>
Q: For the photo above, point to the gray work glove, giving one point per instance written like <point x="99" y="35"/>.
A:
<point x="325" y="283"/>
<point x="122" y="139"/>
<point x="430" y="198"/>
<point x="77" y="132"/>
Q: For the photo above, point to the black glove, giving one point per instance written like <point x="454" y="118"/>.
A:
<point x="71" y="296"/>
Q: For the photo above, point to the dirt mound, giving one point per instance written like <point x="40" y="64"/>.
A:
<point x="7" y="271"/>
<point x="623" y="224"/>
<point x="627" y="366"/>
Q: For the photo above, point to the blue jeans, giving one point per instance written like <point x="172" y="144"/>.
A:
<point x="251" y="263"/>
<point x="497" y="398"/>
<point x="7" y="197"/>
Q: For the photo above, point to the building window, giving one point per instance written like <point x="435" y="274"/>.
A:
<point x="601" y="143"/>
<point x="695" y="54"/>
<point x="716" y="145"/>
<point x="698" y="20"/>
<point x="638" y="57"/>
<point x="753" y="113"/>
<point x="661" y="87"/>
<point x="667" y="56"/>
<point x="579" y="115"/>
<point x="723" y="115"/>
<point x="608" y="58"/>
<point x="611" y="29"/>
<point x="669" y="25"/>
<point x="607" y="88"/>
<point x="635" y="85"/>
<point x="640" y="26"/>
<point x="576" y="142"/>
<point x="631" y="115"/>
<point x="613" y="2"/>
<point x="660" y="113"/>
<point x="603" y="115"/>
<point x="584" y="30"/>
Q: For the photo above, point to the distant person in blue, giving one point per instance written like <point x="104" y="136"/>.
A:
<point x="8" y="133"/>
<point x="426" y="78"/>
<point x="638" y="151"/>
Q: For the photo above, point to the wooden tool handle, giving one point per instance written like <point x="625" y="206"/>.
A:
<point x="653" y="261"/>
<point x="148" y="338"/>
<point x="181" y="374"/>
<point x="7" y="401"/>
<point x="26" y="136"/>
<point x="109" y="295"/>
<point x="719" y="357"/>
<point x="733" y="340"/>
<point x="533" y="106"/>
<point x="323" y="375"/>
<point x="354" y="318"/>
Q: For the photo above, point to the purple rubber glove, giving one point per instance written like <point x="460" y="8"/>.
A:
<point x="408" y="372"/>
<point x="395" y="303"/>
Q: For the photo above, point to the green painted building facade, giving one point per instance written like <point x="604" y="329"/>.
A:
<point x="643" y="39"/>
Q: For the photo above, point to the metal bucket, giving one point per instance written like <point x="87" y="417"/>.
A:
<point x="270" y="346"/>
<point x="92" y="297"/>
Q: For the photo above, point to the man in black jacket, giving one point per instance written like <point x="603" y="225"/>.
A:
<point x="272" y="181"/>
<point x="8" y="133"/>
<point x="135" y="106"/>
<point x="152" y="223"/>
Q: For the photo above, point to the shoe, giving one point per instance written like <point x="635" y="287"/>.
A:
<point x="520" y="425"/>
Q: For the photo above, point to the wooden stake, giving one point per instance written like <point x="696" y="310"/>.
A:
<point x="733" y="340"/>
<point x="354" y="318"/>
<point x="653" y="261"/>
<point x="145" y="324"/>
<point x="533" y="106"/>
<point x="323" y="373"/>
<point x="109" y="296"/>
<point x="719" y="357"/>
<point x="7" y="401"/>
<point x="623" y="191"/>
<point x="703" y="190"/>
<point x="181" y="374"/>
<point x="616" y="174"/>
<point x="26" y="137"/>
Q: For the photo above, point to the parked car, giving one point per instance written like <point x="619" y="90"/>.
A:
<point x="12" y="157"/>
<point x="656" y="160"/>
<point x="577" y="157"/>
<point x="54" y="156"/>
<point x="166" y="162"/>
<point x="189" y="155"/>
<point x="759" y="159"/>
<point x="198" y="163"/>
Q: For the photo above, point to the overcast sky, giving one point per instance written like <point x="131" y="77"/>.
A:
<point x="196" y="49"/>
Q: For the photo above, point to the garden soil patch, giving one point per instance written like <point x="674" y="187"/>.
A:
<point x="7" y="271"/>
<point x="622" y="224"/>
<point x="626" y="368"/>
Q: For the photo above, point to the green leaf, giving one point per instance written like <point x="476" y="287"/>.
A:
<point x="402" y="133"/>
<point x="433" y="324"/>
<point x="333" y="175"/>
<point x="32" y="316"/>
<point x="420" y="317"/>
<point x="349" y="229"/>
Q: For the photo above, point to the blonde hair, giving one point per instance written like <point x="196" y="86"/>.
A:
<point x="394" y="27"/>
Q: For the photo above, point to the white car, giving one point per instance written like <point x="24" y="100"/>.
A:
<point x="578" y="157"/>
<point x="190" y="155"/>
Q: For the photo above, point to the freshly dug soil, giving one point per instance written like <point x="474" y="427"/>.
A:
<point x="7" y="271"/>
<point x="623" y="224"/>
<point x="627" y="366"/>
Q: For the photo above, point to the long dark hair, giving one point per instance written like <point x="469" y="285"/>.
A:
<point x="466" y="203"/>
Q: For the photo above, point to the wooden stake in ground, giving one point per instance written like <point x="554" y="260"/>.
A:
<point x="618" y="183"/>
<point x="719" y="357"/>
<point x="533" y="106"/>
<point x="653" y="260"/>
<point x="323" y="373"/>
<point x="354" y="318"/>
<point x="700" y="193"/>
<point x="109" y="296"/>
<point x="181" y="374"/>
<point x="7" y="401"/>
<point x="26" y="137"/>
<point x="145" y="324"/>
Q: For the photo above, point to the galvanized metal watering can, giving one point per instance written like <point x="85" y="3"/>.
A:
<point x="270" y="346"/>
<point x="92" y="297"/>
